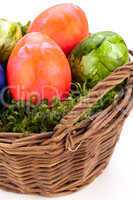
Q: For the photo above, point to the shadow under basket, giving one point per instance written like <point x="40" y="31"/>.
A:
<point x="76" y="152"/>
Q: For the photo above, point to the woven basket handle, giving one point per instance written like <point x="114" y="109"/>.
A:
<point x="115" y="78"/>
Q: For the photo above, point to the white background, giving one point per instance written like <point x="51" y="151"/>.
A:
<point x="116" y="15"/>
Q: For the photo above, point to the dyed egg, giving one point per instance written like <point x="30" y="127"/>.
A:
<point x="38" y="69"/>
<point x="2" y="78"/>
<point x="65" y="23"/>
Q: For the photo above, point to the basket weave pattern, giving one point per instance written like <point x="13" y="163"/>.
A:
<point x="75" y="153"/>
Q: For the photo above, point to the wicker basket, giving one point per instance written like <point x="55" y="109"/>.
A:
<point x="75" y="153"/>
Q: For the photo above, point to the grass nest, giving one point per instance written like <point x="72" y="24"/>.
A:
<point x="26" y="118"/>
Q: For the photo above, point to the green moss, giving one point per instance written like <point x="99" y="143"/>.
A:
<point x="27" y="118"/>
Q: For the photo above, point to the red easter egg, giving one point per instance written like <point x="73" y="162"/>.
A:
<point x="64" y="23"/>
<point x="39" y="69"/>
